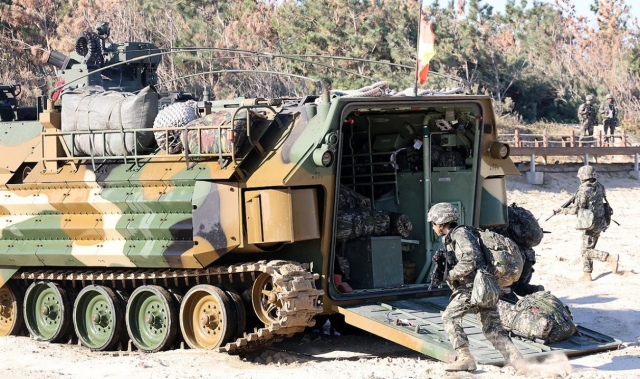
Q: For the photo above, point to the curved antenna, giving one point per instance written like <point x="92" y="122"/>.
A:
<point x="178" y="50"/>
<point x="167" y="51"/>
<point x="315" y="80"/>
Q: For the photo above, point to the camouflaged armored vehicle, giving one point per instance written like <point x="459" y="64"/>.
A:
<point x="236" y="229"/>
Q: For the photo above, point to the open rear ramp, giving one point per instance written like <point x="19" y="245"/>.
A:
<point x="417" y="324"/>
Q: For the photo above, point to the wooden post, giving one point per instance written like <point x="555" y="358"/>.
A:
<point x="599" y="138"/>
<point x="573" y="137"/>
<point x="545" y="138"/>
<point x="516" y="138"/>
<point x="624" y="138"/>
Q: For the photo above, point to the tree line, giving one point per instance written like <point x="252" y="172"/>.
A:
<point x="536" y="60"/>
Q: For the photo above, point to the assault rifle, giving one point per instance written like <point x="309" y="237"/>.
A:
<point x="566" y="204"/>
<point x="444" y="260"/>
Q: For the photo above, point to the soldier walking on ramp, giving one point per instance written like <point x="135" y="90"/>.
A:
<point x="587" y="117"/>
<point x="464" y="244"/>
<point x="590" y="198"/>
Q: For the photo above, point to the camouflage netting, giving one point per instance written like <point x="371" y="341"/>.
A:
<point x="93" y="109"/>
<point x="219" y="134"/>
<point x="175" y="115"/>
<point x="539" y="316"/>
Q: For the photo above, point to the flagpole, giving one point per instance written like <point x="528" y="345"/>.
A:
<point x="415" y="86"/>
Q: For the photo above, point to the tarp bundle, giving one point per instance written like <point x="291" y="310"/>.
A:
<point x="357" y="219"/>
<point x="540" y="316"/>
<point x="220" y="134"/>
<point x="93" y="109"/>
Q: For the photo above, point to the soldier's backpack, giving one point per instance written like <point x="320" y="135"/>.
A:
<point x="608" y="211"/>
<point x="504" y="258"/>
<point x="539" y="316"/>
<point x="523" y="227"/>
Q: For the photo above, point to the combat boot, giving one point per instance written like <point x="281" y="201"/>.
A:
<point x="586" y="277"/>
<point x="613" y="261"/>
<point x="513" y="357"/>
<point x="464" y="362"/>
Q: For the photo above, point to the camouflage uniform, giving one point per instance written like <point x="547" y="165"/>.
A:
<point x="590" y="195"/>
<point x="587" y="117"/>
<point x="609" y="115"/>
<point x="464" y="244"/>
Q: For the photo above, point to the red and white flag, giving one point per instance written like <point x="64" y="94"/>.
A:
<point x="426" y="49"/>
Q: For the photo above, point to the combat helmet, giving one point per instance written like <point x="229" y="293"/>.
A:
<point x="443" y="213"/>
<point x="589" y="98"/>
<point x="586" y="172"/>
<point x="609" y="96"/>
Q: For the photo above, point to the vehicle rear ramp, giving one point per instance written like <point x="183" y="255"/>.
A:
<point x="417" y="325"/>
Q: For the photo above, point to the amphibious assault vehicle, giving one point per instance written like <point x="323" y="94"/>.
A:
<point x="236" y="229"/>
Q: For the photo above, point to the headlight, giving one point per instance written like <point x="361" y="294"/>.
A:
<point x="499" y="150"/>
<point x="323" y="156"/>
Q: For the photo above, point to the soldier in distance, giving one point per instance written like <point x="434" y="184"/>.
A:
<point x="609" y="115"/>
<point x="591" y="195"/>
<point x="464" y="244"/>
<point x="587" y="117"/>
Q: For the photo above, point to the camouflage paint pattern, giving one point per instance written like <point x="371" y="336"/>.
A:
<point x="157" y="213"/>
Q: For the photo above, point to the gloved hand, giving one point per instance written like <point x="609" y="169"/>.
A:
<point x="558" y="211"/>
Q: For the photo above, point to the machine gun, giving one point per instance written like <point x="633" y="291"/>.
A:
<point x="444" y="260"/>
<point x="566" y="204"/>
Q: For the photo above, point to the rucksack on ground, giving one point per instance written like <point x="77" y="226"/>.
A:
<point x="539" y="316"/>
<point x="504" y="256"/>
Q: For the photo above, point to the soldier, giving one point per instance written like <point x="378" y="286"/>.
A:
<point x="464" y="244"/>
<point x="587" y="117"/>
<point x="591" y="196"/>
<point x="609" y="114"/>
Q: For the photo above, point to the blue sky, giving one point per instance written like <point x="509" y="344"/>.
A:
<point x="582" y="6"/>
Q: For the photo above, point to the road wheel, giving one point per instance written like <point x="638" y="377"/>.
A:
<point x="207" y="317"/>
<point x="11" y="315"/>
<point x="152" y="320"/>
<point x="98" y="318"/>
<point x="47" y="311"/>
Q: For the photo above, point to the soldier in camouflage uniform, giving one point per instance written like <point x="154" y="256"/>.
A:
<point x="587" y="117"/>
<point x="591" y="195"/>
<point x="467" y="250"/>
<point x="609" y="115"/>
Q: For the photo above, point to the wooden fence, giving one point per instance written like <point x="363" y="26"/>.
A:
<point x="599" y="139"/>
<point x="571" y="144"/>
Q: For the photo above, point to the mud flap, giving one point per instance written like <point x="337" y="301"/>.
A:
<point x="417" y="324"/>
<point x="6" y="273"/>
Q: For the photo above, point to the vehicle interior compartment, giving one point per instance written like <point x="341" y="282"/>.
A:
<point x="383" y="241"/>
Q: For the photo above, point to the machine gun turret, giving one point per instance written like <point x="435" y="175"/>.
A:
<point x="97" y="63"/>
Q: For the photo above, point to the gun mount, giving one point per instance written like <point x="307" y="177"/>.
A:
<point x="105" y="62"/>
